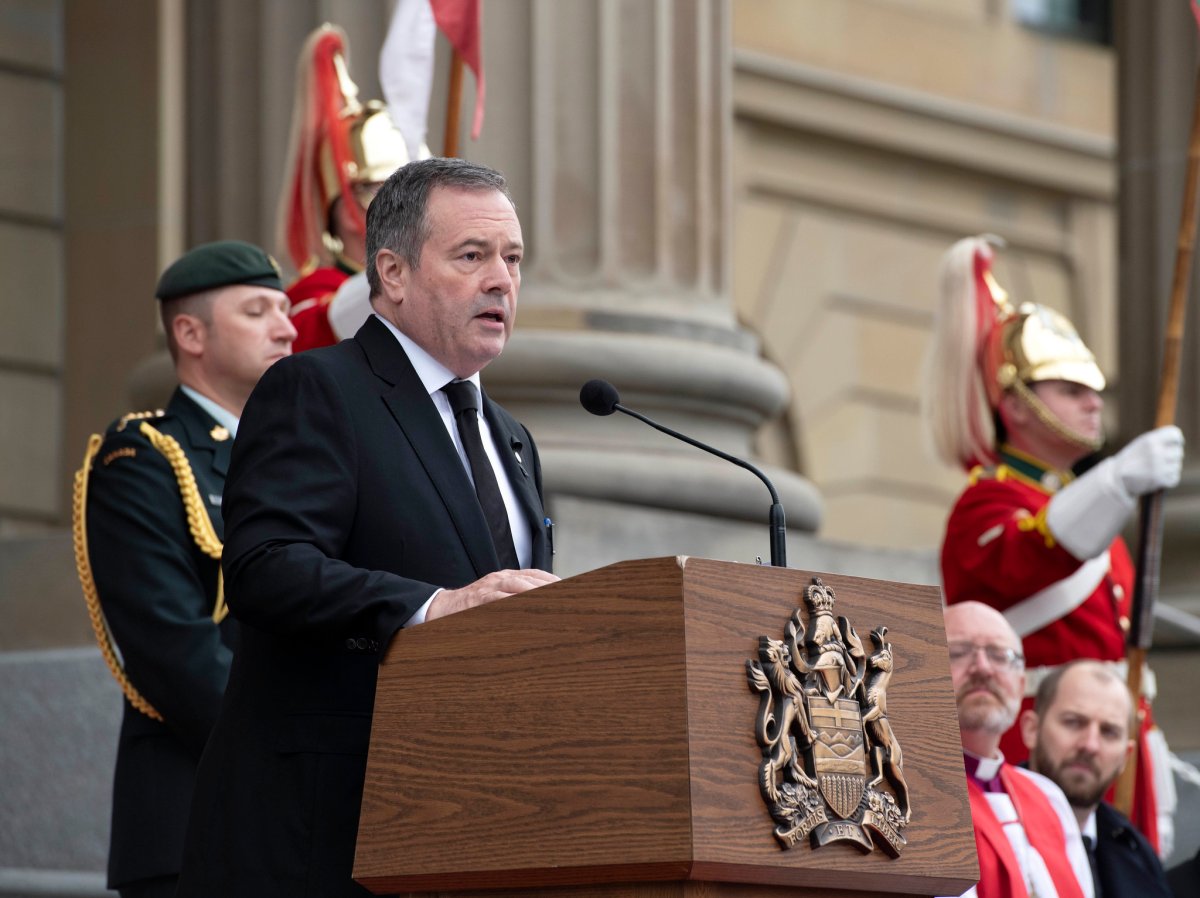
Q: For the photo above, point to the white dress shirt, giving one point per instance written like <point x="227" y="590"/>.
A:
<point x="434" y="375"/>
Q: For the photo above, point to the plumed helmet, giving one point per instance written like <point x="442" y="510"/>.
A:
<point x="337" y="144"/>
<point x="983" y="346"/>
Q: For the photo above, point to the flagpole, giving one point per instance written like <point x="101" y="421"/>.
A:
<point x="1149" y="560"/>
<point x="453" y="105"/>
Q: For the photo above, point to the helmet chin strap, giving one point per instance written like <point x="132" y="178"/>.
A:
<point x="1048" y="418"/>
<point x="336" y="248"/>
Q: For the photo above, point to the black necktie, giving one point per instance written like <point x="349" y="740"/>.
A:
<point x="1091" y="854"/>
<point x="464" y="401"/>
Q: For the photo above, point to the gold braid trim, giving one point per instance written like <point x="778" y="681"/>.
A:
<point x="199" y="523"/>
<point x="1038" y="524"/>
<point x="83" y="567"/>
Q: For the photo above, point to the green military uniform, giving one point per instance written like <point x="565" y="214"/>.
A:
<point x="158" y="588"/>
<point x="149" y="537"/>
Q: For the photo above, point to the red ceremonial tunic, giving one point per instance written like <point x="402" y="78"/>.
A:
<point x="998" y="551"/>
<point x="310" y="296"/>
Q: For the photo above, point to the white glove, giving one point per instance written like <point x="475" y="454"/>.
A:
<point x="1088" y="513"/>
<point x="1152" y="461"/>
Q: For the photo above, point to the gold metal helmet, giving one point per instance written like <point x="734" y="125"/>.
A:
<point x="984" y="347"/>
<point x="1037" y="343"/>
<point x="338" y="147"/>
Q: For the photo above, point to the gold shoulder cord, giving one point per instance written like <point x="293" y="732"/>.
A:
<point x="83" y="566"/>
<point x="199" y="524"/>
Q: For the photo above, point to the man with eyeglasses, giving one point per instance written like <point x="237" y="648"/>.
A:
<point x="1079" y="735"/>
<point x="1026" y="835"/>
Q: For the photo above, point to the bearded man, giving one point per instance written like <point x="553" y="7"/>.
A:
<point x="1078" y="735"/>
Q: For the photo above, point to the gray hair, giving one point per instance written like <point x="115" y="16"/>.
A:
<point x="397" y="218"/>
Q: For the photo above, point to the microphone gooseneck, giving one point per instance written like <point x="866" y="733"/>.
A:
<point x="601" y="398"/>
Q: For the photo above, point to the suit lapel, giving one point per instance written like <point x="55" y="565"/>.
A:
<point x="417" y="417"/>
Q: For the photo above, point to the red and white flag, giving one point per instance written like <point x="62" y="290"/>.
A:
<point x="406" y="61"/>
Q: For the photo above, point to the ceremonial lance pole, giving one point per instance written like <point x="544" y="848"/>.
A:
<point x="1149" y="557"/>
<point x="453" y="104"/>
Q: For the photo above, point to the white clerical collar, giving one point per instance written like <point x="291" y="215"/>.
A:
<point x="433" y="374"/>
<point x="1089" y="828"/>
<point x="989" y="768"/>
<point x="223" y="416"/>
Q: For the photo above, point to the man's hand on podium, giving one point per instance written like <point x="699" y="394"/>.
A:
<point x="497" y="585"/>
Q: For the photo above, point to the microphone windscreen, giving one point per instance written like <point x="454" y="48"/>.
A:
<point x="599" y="397"/>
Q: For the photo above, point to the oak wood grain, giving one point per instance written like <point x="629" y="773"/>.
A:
<point x="599" y="732"/>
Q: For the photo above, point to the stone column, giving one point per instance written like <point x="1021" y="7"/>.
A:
<point x="612" y="120"/>
<point x="1156" y="44"/>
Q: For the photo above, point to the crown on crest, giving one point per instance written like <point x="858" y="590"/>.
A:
<point x="819" y="597"/>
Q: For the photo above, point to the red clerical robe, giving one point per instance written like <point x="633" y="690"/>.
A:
<point x="1000" y="873"/>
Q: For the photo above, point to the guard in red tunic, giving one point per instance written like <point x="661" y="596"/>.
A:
<point x="1014" y="397"/>
<point x="340" y="151"/>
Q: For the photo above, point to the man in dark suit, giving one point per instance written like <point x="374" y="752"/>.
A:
<point x="1078" y="734"/>
<point x="361" y="499"/>
<point x="151" y="519"/>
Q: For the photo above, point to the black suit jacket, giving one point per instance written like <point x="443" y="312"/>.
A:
<point x="1184" y="877"/>
<point x="346" y="507"/>
<point x="1125" y="862"/>
<point x="157" y="590"/>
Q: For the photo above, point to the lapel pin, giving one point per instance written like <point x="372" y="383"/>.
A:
<point x="220" y="433"/>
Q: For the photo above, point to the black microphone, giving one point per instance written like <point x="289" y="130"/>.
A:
<point x="601" y="398"/>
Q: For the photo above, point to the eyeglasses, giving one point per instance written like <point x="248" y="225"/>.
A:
<point x="998" y="655"/>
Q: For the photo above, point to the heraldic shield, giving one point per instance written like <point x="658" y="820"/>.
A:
<point x="832" y="767"/>
<point x="839" y="752"/>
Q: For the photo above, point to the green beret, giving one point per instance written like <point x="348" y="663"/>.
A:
<point x="219" y="264"/>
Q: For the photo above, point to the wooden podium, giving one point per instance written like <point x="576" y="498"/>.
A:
<point x="596" y="737"/>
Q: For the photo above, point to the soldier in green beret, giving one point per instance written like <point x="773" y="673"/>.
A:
<point x="148" y="533"/>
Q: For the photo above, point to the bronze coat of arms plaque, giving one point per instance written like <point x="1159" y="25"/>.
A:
<point x="832" y="768"/>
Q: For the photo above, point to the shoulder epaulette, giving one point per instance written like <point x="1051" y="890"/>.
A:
<point x="982" y="472"/>
<point x="138" y="416"/>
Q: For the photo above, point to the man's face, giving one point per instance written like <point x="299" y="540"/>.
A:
<point x="249" y="332"/>
<point x="1082" y="739"/>
<point x="987" y="677"/>
<point x="459" y="305"/>
<point x="1076" y="406"/>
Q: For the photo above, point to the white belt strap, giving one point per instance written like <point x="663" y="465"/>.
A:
<point x="1059" y="599"/>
